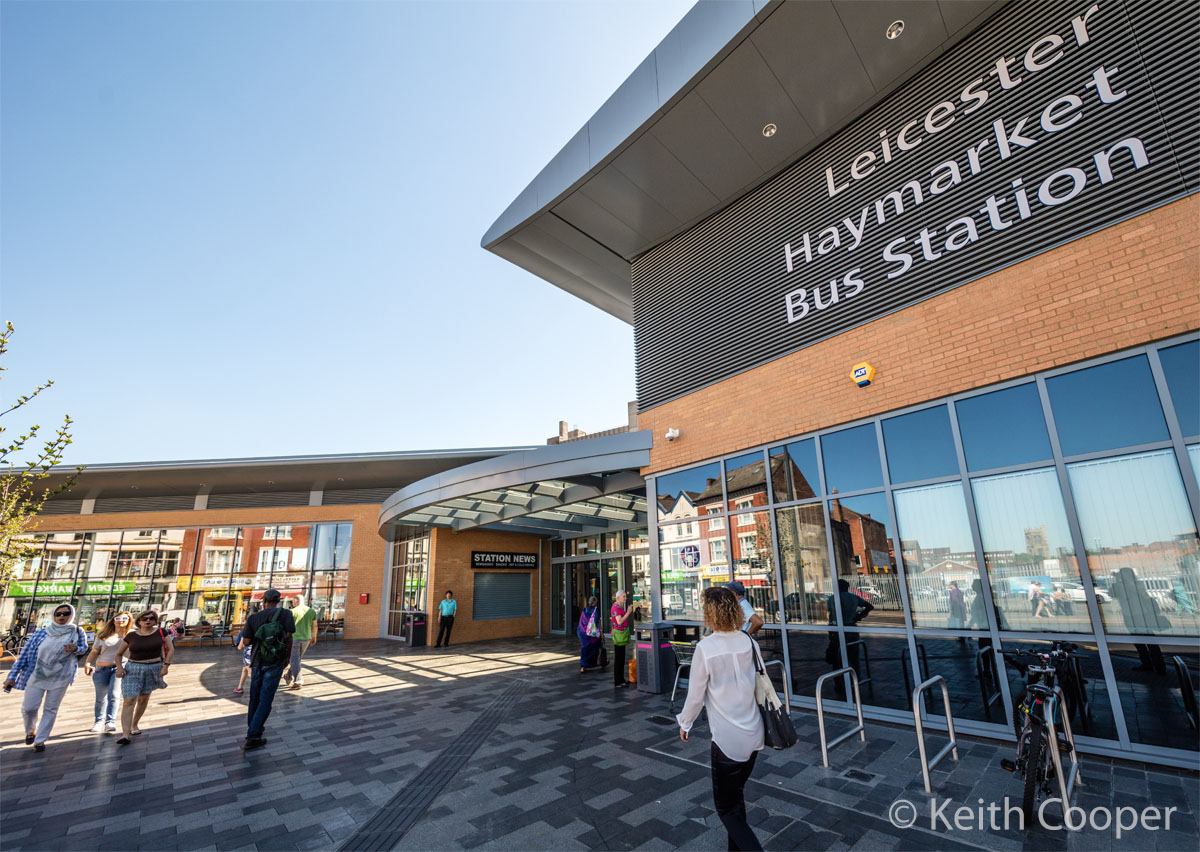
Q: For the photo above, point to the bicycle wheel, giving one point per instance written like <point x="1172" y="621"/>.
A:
<point x="1035" y="748"/>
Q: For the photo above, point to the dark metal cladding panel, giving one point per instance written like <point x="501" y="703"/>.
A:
<point x="714" y="301"/>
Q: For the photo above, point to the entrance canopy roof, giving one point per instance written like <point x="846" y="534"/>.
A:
<point x="572" y="489"/>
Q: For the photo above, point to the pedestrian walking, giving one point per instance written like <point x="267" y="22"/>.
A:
<point x="44" y="670"/>
<point x="620" y="636"/>
<point x="446" y="609"/>
<point x="101" y="664"/>
<point x="246" y="654"/>
<point x="149" y="650"/>
<point x="751" y="620"/>
<point x="721" y="680"/>
<point x="268" y="634"/>
<point x="304" y="638"/>
<point x="590" y="641"/>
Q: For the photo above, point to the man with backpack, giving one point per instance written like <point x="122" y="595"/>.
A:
<point x="268" y="633"/>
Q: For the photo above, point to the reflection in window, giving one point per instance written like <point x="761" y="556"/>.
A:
<point x="1003" y="428"/>
<point x="1027" y="548"/>
<point x="939" y="556"/>
<point x="794" y="472"/>
<point x="810" y="657"/>
<point x="804" y="563"/>
<point x="686" y="569"/>
<point x="1181" y="366"/>
<point x="852" y="459"/>
<point x="752" y="563"/>
<point x="863" y="549"/>
<point x="1141" y="543"/>
<point x="972" y="678"/>
<point x="639" y="592"/>
<point x="1155" y="684"/>
<point x="746" y="481"/>
<point x="883" y="667"/>
<point x="1082" y="683"/>
<point x="677" y="492"/>
<point x="919" y="445"/>
<point x="1105" y="407"/>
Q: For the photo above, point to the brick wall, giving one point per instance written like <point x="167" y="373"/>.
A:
<point x="1132" y="283"/>
<point x="367" y="549"/>
<point x="450" y="568"/>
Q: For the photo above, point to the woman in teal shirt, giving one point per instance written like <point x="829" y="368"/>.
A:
<point x="446" y="610"/>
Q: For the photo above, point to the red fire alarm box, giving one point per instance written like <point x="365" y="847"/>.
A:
<point x="365" y="597"/>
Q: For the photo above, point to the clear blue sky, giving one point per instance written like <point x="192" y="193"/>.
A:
<point x="239" y="229"/>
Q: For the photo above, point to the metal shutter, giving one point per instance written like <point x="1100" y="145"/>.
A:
<point x="501" y="594"/>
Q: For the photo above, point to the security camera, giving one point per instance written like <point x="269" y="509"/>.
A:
<point x="672" y="434"/>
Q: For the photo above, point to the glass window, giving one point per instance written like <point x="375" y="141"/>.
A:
<point x="1003" y="428"/>
<point x="939" y="555"/>
<point x="864" y="547"/>
<point x="851" y="459"/>
<point x="557" y="548"/>
<point x="804" y="563"/>
<point x="613" y="541"/>
<point x="1141" y="542"/>
<point x="972" y="678"/>
<point x="329" y="601"/>
<point x="808" y="656"/>
<point x="639" y="538"/>
<point x="1181" y="366"/>
<point x="1194" y="457"/>
<point x="341" y="547"/>
<point x="1030" y="559"/>
<point x="1154" y="683"/>
<point x="1083" y="685"/>
<point x="883" y="666"/>
<point x="920" y="445"/>
<point x="794" y="472"/>
<point x="677" y="492"/>
<point x="585" y="545"/>
<point x="639" y="592"/>
<point x="746" y="481"/>
<point x="686" y="570"/>
<point x="753" y="565"/>
<point x="1105" y="407"/>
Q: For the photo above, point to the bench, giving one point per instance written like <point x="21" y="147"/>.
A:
<point x="194" y="634"/>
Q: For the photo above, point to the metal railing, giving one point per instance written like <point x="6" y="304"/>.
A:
<point x="859" y="729"/>
<point x="950" y="747"/>
<point x="787" y="693"/>
<point x="1066" y="784"/>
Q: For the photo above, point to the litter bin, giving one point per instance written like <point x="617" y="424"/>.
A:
<point x="655" y="657"/>
<point x="415" y="634"/>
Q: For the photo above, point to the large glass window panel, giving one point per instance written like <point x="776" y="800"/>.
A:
<point x="851" y="459"/>
<point x="1141" y="542"/>
<point x="753" y="564"/>
<point x="329" y="601"/>
<point x="613" y="541"/>
<point x="1194" y="457"/>
<point x="1105" y="407"/>
<point x="62" y="557"/>
<point x="970" y="670"/>
<point x="939" y="555"/>
<point x="678" y="492"/>
<point x="794" y="472"/>
<point x="341" y="548"/>
<point x="919" y="445"/>
<point x="584" y="545"/>
<point x="95" y="581"/>
<point x="864" y="548"/>
<point x="1003" y="428"/>
<point x="1181" y="366"/>
<point x="746" y="481"/>
<point x="686" y="570"/>
<point x="1083" y="684"/>
<point x="639" y="538"/>
<point x="884" y="672"/>
<point x="558" y="596"/>
<point x="804" y="563"/>
<point x="807" y="655"/>
<point x="1030" y="559"/>
<point x="1153" y="682"/>
<point x="15" y="607"/>
<point x="639" y="592"/>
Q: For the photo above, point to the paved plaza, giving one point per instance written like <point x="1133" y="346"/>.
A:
<point x="498" y="745"/>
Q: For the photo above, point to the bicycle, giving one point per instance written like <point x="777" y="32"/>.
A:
<point x="1035" y="711"/>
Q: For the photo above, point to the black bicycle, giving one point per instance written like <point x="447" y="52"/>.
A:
<point x="1036" y="711"/>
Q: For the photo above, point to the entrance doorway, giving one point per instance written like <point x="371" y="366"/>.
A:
<point x="599" y="577"/>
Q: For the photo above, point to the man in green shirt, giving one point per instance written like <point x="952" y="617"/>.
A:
<point x="303" y="639"/>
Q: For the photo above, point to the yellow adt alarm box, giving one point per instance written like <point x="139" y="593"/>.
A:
<point x="862" y="374"/>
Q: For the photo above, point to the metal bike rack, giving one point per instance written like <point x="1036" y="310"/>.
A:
<point x="859" y="729"/>
<point x="787" y="693"/>
<point x="950" y="747"/>
<point x="866" y="659"/>
<point x="1066" y="785"/>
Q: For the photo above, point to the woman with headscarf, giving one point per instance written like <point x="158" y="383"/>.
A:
<point x="588" y="632"/>
<point x="303" y="639"/>
<point x="101" y="664"/>
<point x="45" y="669"/>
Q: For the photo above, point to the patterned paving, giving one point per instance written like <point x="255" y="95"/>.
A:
<point x="571" y="764"/>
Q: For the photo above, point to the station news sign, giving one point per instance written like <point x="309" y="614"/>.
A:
<point x="486" y="559"/>
<point x="1052" y="120"/>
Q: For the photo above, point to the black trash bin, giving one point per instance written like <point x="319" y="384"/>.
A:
<point x="416" y="630"/>
<point x="655" y="657"/>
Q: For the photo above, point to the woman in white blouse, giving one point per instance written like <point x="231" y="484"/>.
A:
<point x="722" y="680"/>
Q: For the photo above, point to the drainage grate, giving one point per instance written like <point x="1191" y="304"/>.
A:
<point x="402" y="811"/>
<point x="861" y="776"/>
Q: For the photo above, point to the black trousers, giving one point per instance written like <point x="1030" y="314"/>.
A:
<point x="445" y="625"/>
<point x="620" y="670"/>
<point x="729" y="782"/>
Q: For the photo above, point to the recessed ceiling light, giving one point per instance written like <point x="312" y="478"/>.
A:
<point x="895" y="29"/>
<point x="770" y="130"/>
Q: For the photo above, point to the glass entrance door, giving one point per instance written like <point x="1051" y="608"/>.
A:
<point x="585" y="582"/>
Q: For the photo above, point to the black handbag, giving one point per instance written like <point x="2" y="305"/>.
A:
<point x="603" y="661"/>
<point x="778" y="730"/>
